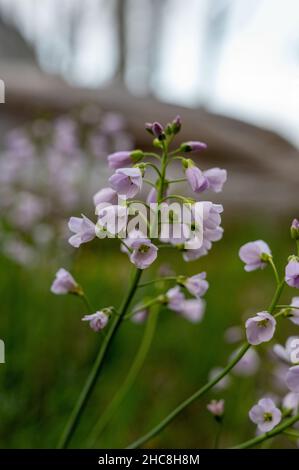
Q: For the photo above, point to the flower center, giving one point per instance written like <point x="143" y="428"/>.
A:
<point x="263" y="323"/>
<point x="143" y="249"/>
<point x="268" y="417"/>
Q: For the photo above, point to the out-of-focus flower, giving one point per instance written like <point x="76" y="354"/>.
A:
<point x="234" y="334"/>
<point x="193" y="146"/>
<point x="105" y="196"/>
<point x="144" y="253"/>
<point x="291" y="402"/>
<point x="84" y="230"/>
<point x="216" y="407"/>
<point x="265" y="414"/>
<point x="292" y="379"/>
<point x="292" y="273"/>
<point x="248" y="364"/>
<point x="223" y="383"/>
<point x="295" y="229"/>
<point x="284" y="353"/>
<point x="152" y="196"/>
<point x="216" y="178"/>
<point x="175" y="298"/>
<point x="192" y="309"/>
<point x="127" y="181"/>
<point x="261" y="328"/>
<point x="111" y="219"/>
<point x="97" y="321"/>
<point x="253" y="255"/>
<point x="156" y="129"/>
<point x="64" y="283"/>
<point x="197" y="285"/>
<point x="120" y="159"/>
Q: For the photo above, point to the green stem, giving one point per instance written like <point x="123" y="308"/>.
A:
<point x="146" y="305"/>
<point x="157" y="429"/>
<point x="154" y="168"/>
<point x="178" y="180"/>
<point x="297" y="243"/>
<point x="218" y="433"/>
<point x="153" y="155"/>
<point x="86" y="303"/>
<point x="177" y="196"/>
<point x="160" y="279"/>
<point x="130" y="378"/>
<point x="291" y="433"/>
<point x="272" y="264"/>
<point x="263" y="437"/>
<point x="97" y="366"/>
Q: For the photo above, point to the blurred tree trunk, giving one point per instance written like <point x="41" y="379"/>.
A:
<point x="120" y="16"/>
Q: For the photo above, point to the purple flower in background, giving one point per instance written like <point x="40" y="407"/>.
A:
<point x="197" y="285"/>
<point x="127" y="181"/>
<point x="192" y="309"/>
<point x="265" y="414"/>
<point x="295" y="311"/>
<point x="284" y="353"/>
<point x="295" y="229"/>
<point x="248" y="364"/>
<point x="292" y="273"/>
<point x="140" y="316"/>
<point x="144" y="253"/>
<point x="64" y="283"/>
<point x="193" y="146"/>
<point x="97" y="321"/>
<point x="84" y="230"/>
<point x="152" y="196"/>
<point x="252" y="255"/>
<point x="105" y="196"/>
<point x="261" y="328"/>
<point x="196" y="179"/>
<point x="216" y="178"/>
<point x="291" y="402"/>
<point x="233" y="334"/>
<point x="120" y="159"/>
<point x="223" y="383"/>
<point x="216" y="407"/>
<point x="175" y="298"/>
<point x="292" y="379"/>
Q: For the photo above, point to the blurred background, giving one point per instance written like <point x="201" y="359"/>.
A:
<point x="81" y="78"/>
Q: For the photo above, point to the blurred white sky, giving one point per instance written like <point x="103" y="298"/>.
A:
<point x="236" y="57"/>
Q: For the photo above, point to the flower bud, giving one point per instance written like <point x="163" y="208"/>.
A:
<point x="295" y="229"/>
<point x="193" y="146"/>
<point x="176" y="124"/>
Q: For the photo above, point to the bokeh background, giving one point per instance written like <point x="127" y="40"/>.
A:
<point x="81" y="79"/>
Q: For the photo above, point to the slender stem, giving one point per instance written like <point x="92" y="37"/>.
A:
<point x="145" y="306"/>
<point x="159" y="279"/>
<point x="157" y="429"/>
<point x="162" y="174"/>
<point x="178" y="180"/>
<point x="130" y="378"/>
<point x="272" y="264"/>
<point x="153" y="155"/>
<point x="149" y="182"/>
<point x="86" y="302"/>
<point x="176" y="196"/>
<point x="218" y="434"/>
<point x="291" y="433"/>
<point x="287" y="306"/>
<point x="297" y="243"/>
<point x="263" y="437"/>
<point x="242" y="351"/>
<point x="154" y="168"/>
<point x="97" y="366"/>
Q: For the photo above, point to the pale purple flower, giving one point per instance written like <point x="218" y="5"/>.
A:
<point x="192" y="309"/>
<point x="120" y="159"/>
<point x="261" y="328"/>
<point x="175" y="298"/>
<point x="285" y="353"/>
<point x="295" y="229"/>
<point x="292" y="379"/>
<point x="196" y="179"/>
<point x="84" y="230"/>
<point x="105" y="196"/>
<point x="295" y="311"/>
<point x="152" y="196"/>
<point x="64" y="283"/>
<point x="216" y="407"/>
<point x="97" y="321"/>
<point x="216" y="178"/>
<point x="292" y="273"/>
<point x="197" y="285"/>
<point x="111" y="219"/>
<point x="248" y="364"/>
<point x="233" y="334"/>
<point x="177" y="124"/>
<point x="265" y="414"/>
<point x="140" y="316"/>
<point x="144" y="253"/>
<point x="133" y="235"/>
<point x="155" y="128"/>
<point x="127" y="181"/>
<point x="252" y="254"/>
<point x="193" y="146"/>
<point x="291" y="402"/>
